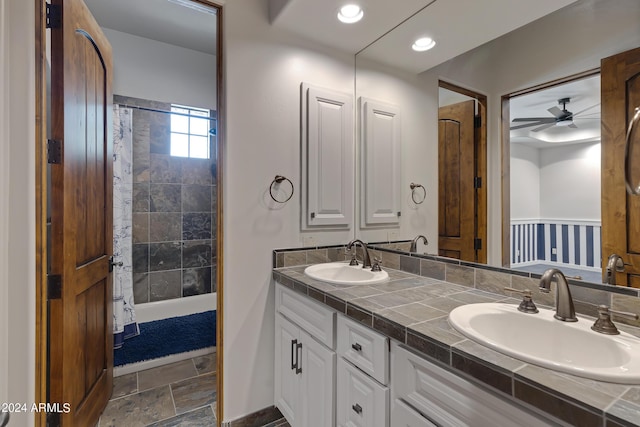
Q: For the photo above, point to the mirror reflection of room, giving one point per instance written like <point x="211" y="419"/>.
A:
<point x="555" y="179"/>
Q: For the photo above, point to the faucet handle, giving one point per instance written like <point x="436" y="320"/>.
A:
<point x="527" y="305"/>
<point x="603" y="323"/>
<point x="354" y="260"/>
<point x="376" y="264"/>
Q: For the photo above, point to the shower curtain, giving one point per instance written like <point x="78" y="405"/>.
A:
<point x="124" y="316"/>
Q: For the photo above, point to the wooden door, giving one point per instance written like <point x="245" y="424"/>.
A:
<point x="80" y="317"/>
<point x="456" y="188"/>
<point x="620" y="211"/>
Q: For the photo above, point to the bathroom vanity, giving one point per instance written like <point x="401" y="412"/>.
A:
<point x="342" y="359"/>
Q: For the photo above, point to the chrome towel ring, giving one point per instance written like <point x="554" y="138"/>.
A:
<point x="413" y="193"/>
<point x="631" y="189"/>
<point x="276" y="183"/>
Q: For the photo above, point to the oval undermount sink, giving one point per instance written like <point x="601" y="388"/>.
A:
<point x="542" y="340"/>
<point x="344" y="274"/>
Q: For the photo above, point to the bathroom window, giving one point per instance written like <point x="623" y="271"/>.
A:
<point x="191" y="129"/>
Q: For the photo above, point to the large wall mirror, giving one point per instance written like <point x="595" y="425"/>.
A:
<point x="558" y="47"/>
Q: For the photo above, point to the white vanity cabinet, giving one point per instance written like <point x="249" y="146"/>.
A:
<point x="425" y="394"/>
<point x="305" y="360"/>
<point x="363" y="373"/>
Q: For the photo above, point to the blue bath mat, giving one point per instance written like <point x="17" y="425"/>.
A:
<point x="168" y="336"/>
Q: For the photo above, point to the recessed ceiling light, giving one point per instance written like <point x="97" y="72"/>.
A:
<point x="350" y="13"/>
<point x="422" y="44"/>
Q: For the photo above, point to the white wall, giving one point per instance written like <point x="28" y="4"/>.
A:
<point x="264" y="67"/>
<point x="148" y="69"/>
<point x="17" y="206"/>
<point x="525" y="182"/>
<point x="590" y="31"/>
<point x="570" y="182"/>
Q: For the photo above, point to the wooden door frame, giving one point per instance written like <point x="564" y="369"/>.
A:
<point x="481" y="164"/>
<point x="41" y="378"/>
<point x="505" y="153"/>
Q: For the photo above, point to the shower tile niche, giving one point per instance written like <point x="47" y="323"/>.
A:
<point x="174" y="205"/>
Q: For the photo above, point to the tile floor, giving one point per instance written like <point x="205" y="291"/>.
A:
<point x="178" y="394"/>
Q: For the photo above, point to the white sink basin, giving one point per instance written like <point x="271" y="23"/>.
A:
<point x="542" y="340"/>
<point x="344" y="274"/>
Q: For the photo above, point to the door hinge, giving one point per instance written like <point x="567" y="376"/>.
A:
<point x="477" y="121"/>
<point x="54" y="151"/>
<point x="477" y="182"/>
<point x="54" y="16"/>
<point x="54" y="286"/>
<point x="477" y="244"/>
<point x="53" y="419"/>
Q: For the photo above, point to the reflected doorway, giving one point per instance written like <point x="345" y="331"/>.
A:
<point x="462" y="164"/>
<point x="554" y="141"/>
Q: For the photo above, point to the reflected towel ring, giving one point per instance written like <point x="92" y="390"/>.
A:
<point x="627" y="159"/>
<point x="277" y="181"/>
<point x="413" y="193"/>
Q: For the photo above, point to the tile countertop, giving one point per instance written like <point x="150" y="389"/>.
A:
<point x="413" y="310"/>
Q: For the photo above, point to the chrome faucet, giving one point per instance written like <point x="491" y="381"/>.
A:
<point x="367" y="260"/>
<point x="414" y="243"/>
<point x="564" y="303"/>
<point x="614" y="264"/>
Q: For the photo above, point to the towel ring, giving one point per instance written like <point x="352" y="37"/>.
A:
<point x="277" y="181"/>
<point x="413" y="193"/>
<point x="627" y="145"/>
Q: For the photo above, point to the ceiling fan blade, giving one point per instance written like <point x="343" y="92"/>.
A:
<point x="586" y="109"/>
<point x="543" y="127"/>
<point x="555" y="111"/>
<point x="526" y="125"/>
<point x="535" y="119"/>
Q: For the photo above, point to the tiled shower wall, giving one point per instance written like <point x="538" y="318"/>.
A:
<point x="174" y="205"/>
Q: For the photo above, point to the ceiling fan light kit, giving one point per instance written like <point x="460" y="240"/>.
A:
<point x="561" y="117"/>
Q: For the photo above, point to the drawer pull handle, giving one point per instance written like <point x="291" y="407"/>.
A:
<point x="298" y="367"/>
<point x="294" y="365"/>
<point x="356" y="347"/>
<point x="357" y="408"/>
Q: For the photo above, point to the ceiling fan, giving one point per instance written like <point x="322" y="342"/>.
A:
<point x="560" y="117"/>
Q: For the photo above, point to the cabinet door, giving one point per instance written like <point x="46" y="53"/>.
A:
<point x="317" y="383"/>
<point x="327" y="158"/>
<point x="403" y="416"/>
<point x="286" y="393"/>
<point x="380" y="163"/>
<point x="362" y="402"/>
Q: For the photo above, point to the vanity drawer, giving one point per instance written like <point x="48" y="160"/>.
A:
<point x="361" y="401"/>
<point x="405" y="416"/>
<point x="364" y="347"/>
<point x="315" y="318"/>
<point x="447" y="399"/>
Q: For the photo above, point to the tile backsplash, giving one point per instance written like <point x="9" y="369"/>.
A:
<point x="586" y="296"/>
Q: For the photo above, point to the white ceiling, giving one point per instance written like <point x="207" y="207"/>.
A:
<point x="457" y="26"/>
<point x="584" y="94"/>
<point x="160" y="20"/>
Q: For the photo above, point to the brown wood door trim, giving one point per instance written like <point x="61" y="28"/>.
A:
<point x="41" y="380"/>
<point x="41" y="211"/>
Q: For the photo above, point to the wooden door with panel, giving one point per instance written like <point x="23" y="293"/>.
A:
<point x="80" y="338"/>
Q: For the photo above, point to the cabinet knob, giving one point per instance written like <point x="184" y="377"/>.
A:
<point x="356" y="347"/>
<point x="357" y="409"/>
